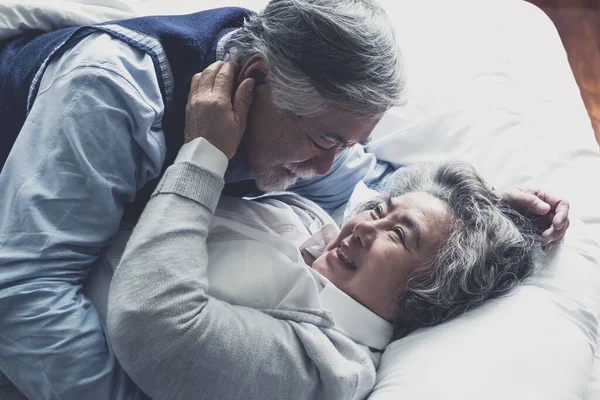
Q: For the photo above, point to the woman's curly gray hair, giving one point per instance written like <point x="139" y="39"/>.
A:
<point x="325" y="55"/>
<point x="490" y="249"/>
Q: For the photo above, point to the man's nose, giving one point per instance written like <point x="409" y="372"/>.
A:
<point x="364" y="232"/>
<point x="322" y="162"/>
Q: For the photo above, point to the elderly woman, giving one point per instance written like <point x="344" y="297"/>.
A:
<point x="268" y="300"/>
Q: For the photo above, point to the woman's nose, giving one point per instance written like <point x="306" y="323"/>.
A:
<point x="365" y="232"/>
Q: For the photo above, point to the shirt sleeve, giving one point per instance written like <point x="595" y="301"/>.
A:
<point x="177" y="342"/>
<point x="205" y="155"/>
<point x="91" y="139"/>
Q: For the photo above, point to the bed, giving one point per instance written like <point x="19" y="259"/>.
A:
<point x="488" y="82"/>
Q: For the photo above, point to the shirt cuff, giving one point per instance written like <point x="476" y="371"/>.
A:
<point x="202" y="153"/>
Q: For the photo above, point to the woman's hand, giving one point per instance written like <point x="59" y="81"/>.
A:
<point x="212" y="114"/>
<point x="552" y="210"/>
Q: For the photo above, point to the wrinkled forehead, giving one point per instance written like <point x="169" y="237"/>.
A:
<point x="431" y="215"/>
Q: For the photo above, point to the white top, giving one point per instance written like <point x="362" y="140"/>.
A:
<point x="351" y="317"/>
<point x="255" y="260"/>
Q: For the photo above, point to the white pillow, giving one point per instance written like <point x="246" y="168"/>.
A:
<point x="361" y="194"/>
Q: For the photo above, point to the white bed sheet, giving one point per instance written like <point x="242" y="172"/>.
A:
<point x="592" y="391"/>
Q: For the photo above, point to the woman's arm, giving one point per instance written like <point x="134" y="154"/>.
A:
<point x="177" y="342"/>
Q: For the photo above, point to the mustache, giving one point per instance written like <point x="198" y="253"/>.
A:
<point x="300" y="171"/>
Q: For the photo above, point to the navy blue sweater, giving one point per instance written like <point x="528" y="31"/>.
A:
<point x="189" y="43"/>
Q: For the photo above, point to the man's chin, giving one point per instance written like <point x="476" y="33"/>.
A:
<point x="274" y="179"/>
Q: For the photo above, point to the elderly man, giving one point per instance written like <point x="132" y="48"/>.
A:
<point x="92" y="116"/>
<point x="98" y="113"/>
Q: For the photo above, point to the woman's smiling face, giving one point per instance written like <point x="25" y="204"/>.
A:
<point x="379" y="250"/>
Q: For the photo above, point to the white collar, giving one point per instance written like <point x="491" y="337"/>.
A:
<point x="352" y="318"/>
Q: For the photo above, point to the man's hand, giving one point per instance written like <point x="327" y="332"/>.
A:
<point x="553" y="212"/>
<point x="210" y="112"/>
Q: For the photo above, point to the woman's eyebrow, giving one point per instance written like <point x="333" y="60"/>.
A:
<point x="408" y="221"/>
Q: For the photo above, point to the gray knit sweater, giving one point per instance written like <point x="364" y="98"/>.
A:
<point x="177" y="342"/>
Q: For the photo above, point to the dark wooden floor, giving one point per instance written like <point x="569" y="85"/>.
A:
<point x="578" y="23"/>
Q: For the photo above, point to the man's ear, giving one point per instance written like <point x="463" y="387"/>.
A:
<point x="255" y="67"/>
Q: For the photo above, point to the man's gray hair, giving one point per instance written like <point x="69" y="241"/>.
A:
<point x="325" y="55"/>
<point x="491" y="247"/>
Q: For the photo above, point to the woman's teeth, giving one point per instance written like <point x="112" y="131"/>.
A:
<point x="345" y="258"/>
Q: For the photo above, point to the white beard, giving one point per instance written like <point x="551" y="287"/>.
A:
<point x="271" y="179"/>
